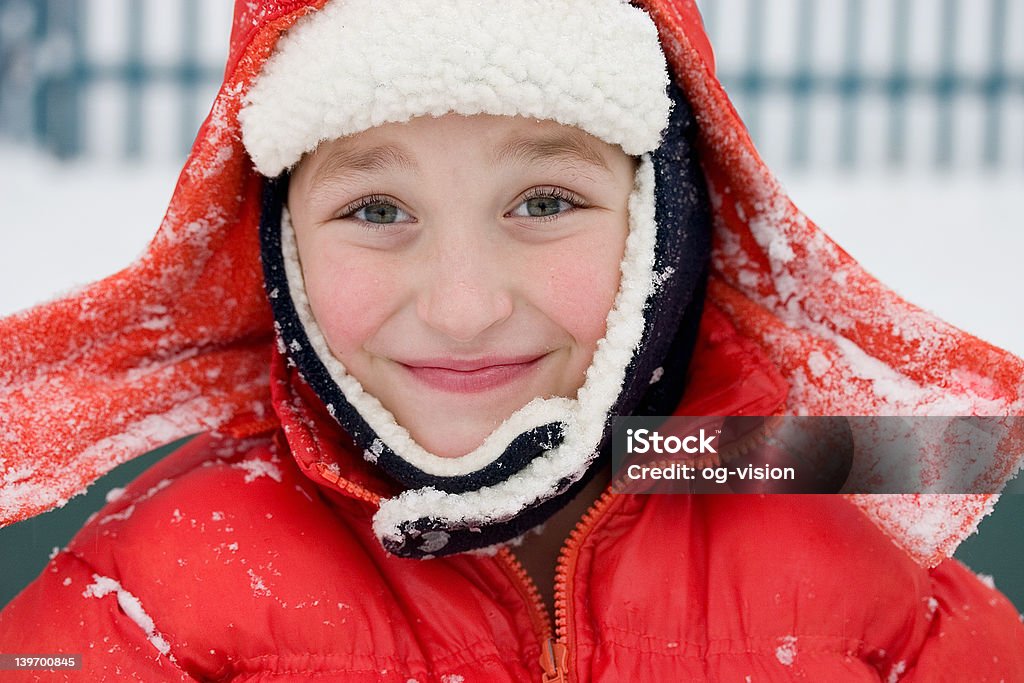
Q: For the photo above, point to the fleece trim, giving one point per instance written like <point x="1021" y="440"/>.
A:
<point x="593" y="64"/>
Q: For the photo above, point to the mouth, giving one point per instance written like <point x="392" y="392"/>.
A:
<point x="470" y="376"/>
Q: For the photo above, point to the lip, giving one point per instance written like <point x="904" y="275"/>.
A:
<point x="471" y="376"/>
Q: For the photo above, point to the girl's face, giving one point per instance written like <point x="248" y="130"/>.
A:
<point x="460" y="267"/>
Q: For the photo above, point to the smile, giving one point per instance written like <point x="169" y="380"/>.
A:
<point x="471" y="376"/>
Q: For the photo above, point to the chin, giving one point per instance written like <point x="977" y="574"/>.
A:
<point x="456" y="441"/>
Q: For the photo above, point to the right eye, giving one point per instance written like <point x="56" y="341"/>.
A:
<point x="376" y="211"/>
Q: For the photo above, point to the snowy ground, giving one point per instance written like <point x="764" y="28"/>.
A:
<point x="953" y="244"/>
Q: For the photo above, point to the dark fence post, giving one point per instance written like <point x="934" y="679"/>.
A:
<point x="896" y="138"/>
<point x="850" y="84"/>
<point x="134" y="76"/>
<point x="752" y="83"/>
<point x="190" y="72"/>
<point x="803" y="86"/>
<point x="58" y="95"/>
<point x="946" y="85"/>
<point x="995" y="84"/>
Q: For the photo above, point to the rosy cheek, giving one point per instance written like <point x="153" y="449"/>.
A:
<point x="580" y="283"/>
<point x="351" y="298"/>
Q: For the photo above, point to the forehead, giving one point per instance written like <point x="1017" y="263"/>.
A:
<point x="497" y="140"/>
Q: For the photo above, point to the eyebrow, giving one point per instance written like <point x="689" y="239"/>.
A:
<point x="559" y="146"/>
<point x="348" y="161"/>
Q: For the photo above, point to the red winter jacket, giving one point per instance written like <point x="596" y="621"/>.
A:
<point x="251" y="554"/>
<point x="253" y="559"/>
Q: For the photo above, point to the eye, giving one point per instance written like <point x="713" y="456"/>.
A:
<point x="376" y="211"/>
<point x="546" y="202"/>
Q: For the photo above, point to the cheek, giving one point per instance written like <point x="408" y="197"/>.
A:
<point x="580" y="284"/>
<point x="351" y="297"/>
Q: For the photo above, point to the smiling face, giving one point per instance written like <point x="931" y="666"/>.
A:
<point x="460" y="267"/>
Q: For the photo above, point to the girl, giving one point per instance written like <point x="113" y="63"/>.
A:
<point x="464" y="236"/>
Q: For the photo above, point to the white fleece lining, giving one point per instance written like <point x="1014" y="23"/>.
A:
<point x="356" y="64"/>
<point x="600" y="389"/>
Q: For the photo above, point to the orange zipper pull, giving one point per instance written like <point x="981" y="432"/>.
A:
<point x="555" y="662"/>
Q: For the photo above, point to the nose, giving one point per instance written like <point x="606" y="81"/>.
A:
<point x="466" y="287"/>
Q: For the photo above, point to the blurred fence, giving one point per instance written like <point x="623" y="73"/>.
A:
<point x="876" y="82"/>
<point x="820" y="83"/>
<point x="110" y="78"/>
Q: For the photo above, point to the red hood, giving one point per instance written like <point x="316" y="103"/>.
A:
<point x="179" y="341"/>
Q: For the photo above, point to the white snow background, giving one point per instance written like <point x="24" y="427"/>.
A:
<point x="951" y="243"/>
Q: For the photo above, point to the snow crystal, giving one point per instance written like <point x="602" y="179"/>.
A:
<point x="114" y="494"/>
<point x="780" y="251"/>
<point x="376" y="448"/>
<point x="119" y="516"/>
<point x="659" y="279"/>
<point x="786" y="652"/>
<point x="256" y="468"/>
<point x="256" y="583"/>
<point x="104" y="585"/>
<point x="158" y="324"/>
<point x="818" y="364"/>
<point x="217" y="516"/>
<point x="452" y="678"/>
<point x="67" y="581"/>
<point x="657" y="375"/>
<point x="987" y="580"/>
<point x="896" y="671"/>
<point x="933" y="605"/>
<point x="432" y="541"/>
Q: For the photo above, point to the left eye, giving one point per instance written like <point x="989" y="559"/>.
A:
<point x="541" y="206"/>
<point x="381" y="213"/>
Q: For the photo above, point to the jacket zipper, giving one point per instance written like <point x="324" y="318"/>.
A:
<point x="345" y="486"/>
<point x="556" y="643"/>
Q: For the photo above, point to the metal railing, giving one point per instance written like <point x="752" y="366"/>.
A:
<point x="847" y="83"/>
<point x="873" y="73"/>
<point x="81" y="77"/>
